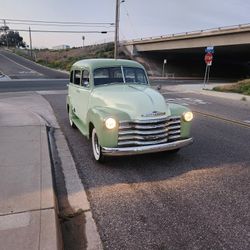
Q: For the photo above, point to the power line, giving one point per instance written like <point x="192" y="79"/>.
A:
<point x="64" y="31"/>
<point x="61" y="25"/>
<point x="54" y="22"/>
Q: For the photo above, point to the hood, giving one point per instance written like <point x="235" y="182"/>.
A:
<point x="137" y="101"/>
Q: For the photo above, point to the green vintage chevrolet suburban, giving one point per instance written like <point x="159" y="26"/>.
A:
<point x="111" y="102"/>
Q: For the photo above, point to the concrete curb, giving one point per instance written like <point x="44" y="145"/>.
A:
<point x="76" y="193"/>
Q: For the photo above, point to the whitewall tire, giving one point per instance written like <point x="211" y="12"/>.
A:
<point x="71" y="114"/>
<point x="96" y="148"/>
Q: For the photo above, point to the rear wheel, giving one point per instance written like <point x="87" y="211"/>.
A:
<point x="71" y="114"/>
<point x="97" y="149"/>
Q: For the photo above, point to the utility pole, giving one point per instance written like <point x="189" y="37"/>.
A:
<point x="83" y="38"/>
<point x="30" y="43"/>
<point x="5" y="31"/>
<point x="117" y="19"/>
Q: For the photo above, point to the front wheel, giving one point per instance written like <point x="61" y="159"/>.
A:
<point x="97" y="149"/>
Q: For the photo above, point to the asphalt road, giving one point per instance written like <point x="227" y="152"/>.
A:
<point x="233" y="110"/>
<point x="28" y="76"/>
<point x="17" y="67"/>
<point x="33" y="85"/>
<point x="196" y="199"/>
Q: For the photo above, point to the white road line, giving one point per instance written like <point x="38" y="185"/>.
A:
<point x="186" y="101"/>
<point x="30" y="70"/>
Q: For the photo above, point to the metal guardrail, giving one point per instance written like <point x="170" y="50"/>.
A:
<point x="195" y="32"/>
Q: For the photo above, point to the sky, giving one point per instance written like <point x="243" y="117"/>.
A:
<point x="138" y="18"/>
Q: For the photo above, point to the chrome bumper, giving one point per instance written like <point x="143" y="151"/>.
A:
<point x="146" y="149"/>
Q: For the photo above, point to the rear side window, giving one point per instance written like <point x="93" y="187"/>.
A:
<point x="77" y="77"/>
<point x="85" y="79"/>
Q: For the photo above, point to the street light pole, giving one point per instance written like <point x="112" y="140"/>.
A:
<point x="163" y="67"/>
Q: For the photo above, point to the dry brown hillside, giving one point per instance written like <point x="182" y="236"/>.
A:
<point x="63" y="59"/>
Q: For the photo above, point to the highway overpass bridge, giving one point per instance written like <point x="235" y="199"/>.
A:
<point x="185" y="52"/>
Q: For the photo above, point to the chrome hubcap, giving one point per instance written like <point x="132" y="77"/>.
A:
<point x="95" y="145"/>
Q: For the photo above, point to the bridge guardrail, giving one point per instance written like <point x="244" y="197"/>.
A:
<point x="195" y="32"/>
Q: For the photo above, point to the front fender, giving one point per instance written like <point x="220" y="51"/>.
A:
<point x="178" y="110"/>
<point x="97" y="116"/>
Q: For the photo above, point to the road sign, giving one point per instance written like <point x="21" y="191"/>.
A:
<point x="209" y="49"/>
<point x="208" y="58"/>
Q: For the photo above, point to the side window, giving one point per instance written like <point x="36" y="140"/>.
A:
<point x="140" y="76"/>
<point x="85" y="79"/>
<point x="77" y="77"/>
<point x="130" y="74"/>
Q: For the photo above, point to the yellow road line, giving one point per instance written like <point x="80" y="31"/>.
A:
<point x="224" y="119"/>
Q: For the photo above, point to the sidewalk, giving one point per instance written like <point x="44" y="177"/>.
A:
<point x="199" y="89"/>
<point x="28" y="216"/>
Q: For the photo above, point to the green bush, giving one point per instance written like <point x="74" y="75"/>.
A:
<point x="241" y="87"/>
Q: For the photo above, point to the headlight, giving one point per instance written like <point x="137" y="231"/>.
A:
<point x="188" y="116"/>
<point x="110" y="123"/>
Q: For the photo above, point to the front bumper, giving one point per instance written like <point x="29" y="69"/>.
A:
<point x="146" y="149"/>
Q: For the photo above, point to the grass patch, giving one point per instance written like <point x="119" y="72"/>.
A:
<point x="241" y="87"/>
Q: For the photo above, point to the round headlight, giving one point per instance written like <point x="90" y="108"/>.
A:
<point x="110" y="123"/>
<point x="188" y="116"/>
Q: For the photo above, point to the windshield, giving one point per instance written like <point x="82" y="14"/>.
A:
<point x="119" y="75"/>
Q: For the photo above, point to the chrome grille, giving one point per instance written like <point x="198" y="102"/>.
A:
<point x="149" y="132"/>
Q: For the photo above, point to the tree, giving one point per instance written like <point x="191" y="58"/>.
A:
<point x="10" y="38"/>
<point x="4" y="28"/>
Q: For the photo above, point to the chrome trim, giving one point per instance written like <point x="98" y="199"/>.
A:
<point x="145" y="137"/>
<point x="154" y="114"/>
<point x="153" y="120"/>
<point x="143" y="126"/>
<point x="149" y="132"/>
<point x="175" y="127"/>
<point x="174" y="132"/>
<point x="141" y="143"/>
<point x="140" y="132"/>
<point x="171" y="137"/>
<point x="146" y="149"/>
<point x="174" y="122"/>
